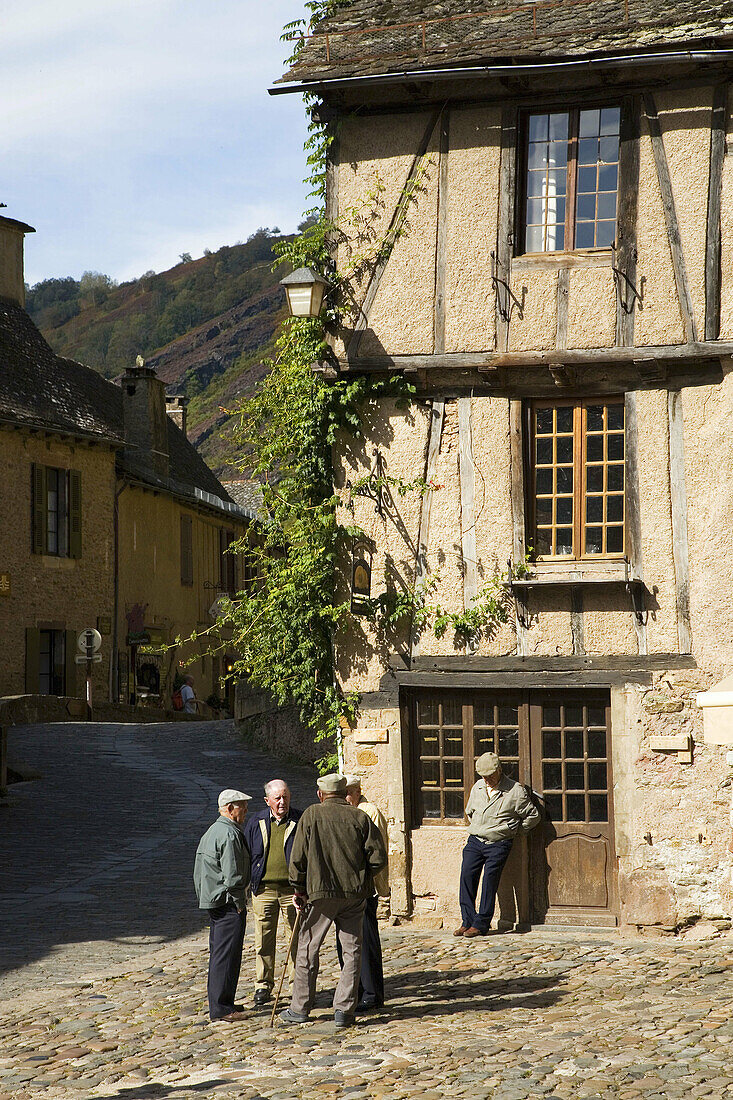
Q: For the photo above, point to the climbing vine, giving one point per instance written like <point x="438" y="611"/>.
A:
<point x="283" y="627"/>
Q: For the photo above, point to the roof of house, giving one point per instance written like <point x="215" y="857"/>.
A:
<point x="42" y="390"/>
<point x="247" y="493"/>
<point x="376" y="37"/>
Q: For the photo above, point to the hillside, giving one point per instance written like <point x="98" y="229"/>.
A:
<point x="205" y="325"/>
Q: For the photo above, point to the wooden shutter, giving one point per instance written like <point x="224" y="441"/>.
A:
<point x="228" y="562"/>
<point x="32" y="660"/>
<point x="186" y="550"/>
<point x="74" y="514"/>
<point x="70" y="662"/>
<point x="38" y="509"/>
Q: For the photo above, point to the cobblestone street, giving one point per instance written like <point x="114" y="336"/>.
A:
<point x="103" y="958"/>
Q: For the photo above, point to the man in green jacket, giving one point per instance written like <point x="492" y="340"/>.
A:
<point x="336" y="853"/>
<point x="221" y="876"/>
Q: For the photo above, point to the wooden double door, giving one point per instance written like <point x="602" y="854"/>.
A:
<point x="557" y="744"/>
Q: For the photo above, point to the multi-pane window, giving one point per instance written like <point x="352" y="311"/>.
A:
<point x="52" y="662"/>
<point x="451" y="736"/>
<point x="575" y="772"/>
<point x="577" y="479"/>
<point x="571" y="179"/>
<point x="56" y="511"/>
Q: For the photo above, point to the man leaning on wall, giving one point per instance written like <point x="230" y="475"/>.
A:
<point x="497" y="809"/>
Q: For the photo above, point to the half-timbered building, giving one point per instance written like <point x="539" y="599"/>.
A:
<point x="554" y="184"/>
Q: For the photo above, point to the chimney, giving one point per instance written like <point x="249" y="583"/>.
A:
<point x="176" y="405"/>
<point x="145" y="421"/>
<point x="12" y="234"/>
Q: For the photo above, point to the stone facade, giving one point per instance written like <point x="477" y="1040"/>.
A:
<point x="482" y="342"/>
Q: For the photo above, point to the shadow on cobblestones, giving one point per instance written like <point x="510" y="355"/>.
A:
<point x="97" y="854"/>
<point x="438" y="993"/>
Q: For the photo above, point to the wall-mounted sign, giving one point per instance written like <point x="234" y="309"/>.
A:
<point x="4" y="584"/>
<point x="104" y="624"/>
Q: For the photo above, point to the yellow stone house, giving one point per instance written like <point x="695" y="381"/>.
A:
<point x="110" y="520"/>
<point x="556" y="204"/>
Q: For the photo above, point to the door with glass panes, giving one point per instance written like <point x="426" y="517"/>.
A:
<point x="557" y="744"/>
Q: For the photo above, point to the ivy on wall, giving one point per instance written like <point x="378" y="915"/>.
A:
<point x="284" y="627"/>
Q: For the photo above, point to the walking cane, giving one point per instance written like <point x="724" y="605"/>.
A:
<point x="285" y="965"/>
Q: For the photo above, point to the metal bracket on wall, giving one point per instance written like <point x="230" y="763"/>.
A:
<point x="635" y="589"/>
<point x="628" y="295"/>
<point x="506" y="299"/>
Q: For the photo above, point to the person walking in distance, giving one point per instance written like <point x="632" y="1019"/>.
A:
<point x="371" y="985"/>
<point x="336" y="854"/>
<point x="221" y="877"/>
<point x="497" y="809"/>
<point x="269" y="835"/>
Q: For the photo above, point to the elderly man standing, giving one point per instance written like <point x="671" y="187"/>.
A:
<point x="269" y="835"/>
<point x="336" y="854"/>
<point x="221" y="877"/>
<point x="371" y="985"/>
<point x="497" y="809"/>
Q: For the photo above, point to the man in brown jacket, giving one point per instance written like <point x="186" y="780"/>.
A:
<point x="336" y="853"/>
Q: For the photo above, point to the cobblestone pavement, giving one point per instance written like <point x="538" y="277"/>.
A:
<point x="503" y="1017"/>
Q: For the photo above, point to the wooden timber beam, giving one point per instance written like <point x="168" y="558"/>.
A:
<point x="713" y="234"/>
<point x="488" y="361"/>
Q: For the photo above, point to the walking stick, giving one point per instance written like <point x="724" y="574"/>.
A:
<point x="285" y="965"/>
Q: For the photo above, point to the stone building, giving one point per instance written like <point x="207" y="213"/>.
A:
<point x="110" y="519"/>
<point x="556" y="202"/>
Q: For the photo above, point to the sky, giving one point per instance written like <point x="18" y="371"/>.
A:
<point x="135" y="130"/>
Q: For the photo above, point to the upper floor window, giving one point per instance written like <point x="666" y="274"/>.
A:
<point x="571" y="179"/>
<point x="577" y="479"/>
<point x="56" y="511"/>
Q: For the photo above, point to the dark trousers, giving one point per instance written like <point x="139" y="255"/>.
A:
<point x="371" y="979"/>
<point x="226" y="936"/>
<point x="490" y="858"/>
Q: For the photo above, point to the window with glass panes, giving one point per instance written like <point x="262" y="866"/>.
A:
<point x="575" y="765"/>
<point x="578" y="479"/>
<point x="451" y="733"/>
<point x="571" y="179"/>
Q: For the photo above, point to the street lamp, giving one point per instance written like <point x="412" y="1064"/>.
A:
<point x="304" y="290"/>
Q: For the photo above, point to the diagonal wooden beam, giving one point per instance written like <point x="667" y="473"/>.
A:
<point x="395" y="224"/>
<point x="670" y="217"/>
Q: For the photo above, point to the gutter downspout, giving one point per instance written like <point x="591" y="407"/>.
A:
<point x="113" y="668"/>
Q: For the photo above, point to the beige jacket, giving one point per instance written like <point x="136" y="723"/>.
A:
<point x="381" y="880"/>
<point x="503" y="816"/>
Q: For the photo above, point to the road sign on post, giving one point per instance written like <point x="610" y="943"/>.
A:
<point x="88" y="642"/>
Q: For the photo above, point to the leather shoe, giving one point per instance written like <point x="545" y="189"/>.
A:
<point x="367" y="1005"/>
<point x="343" y="1019"/>
<point x="230" y="1018"/>
<point x="471" y="932"/>
<point x="290" y="1017"/>
<point x="262" y="996"/>
<point x="461" y="931"/>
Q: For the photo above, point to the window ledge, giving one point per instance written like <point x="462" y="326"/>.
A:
<point x="592" y="257"/>
<point x="546" y="574"/>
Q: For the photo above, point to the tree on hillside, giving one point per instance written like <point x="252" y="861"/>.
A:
<point x="95" y="286"/>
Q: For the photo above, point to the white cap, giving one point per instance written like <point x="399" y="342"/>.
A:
<point x="230" y="795"/>
<point x="353" y="781"/>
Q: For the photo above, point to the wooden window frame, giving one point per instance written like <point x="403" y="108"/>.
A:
<point x="580" y="491"/>
<point x="71" y="545"/>
<point x="520" y="221"/>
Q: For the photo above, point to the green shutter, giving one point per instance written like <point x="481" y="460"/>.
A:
<point x="39" y="513"/>
<point x="32" y="661"/>
<point x="74" y="514"/>
<point x="69" y="656"/>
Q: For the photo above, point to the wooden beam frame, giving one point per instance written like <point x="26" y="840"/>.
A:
<point x="441" y="236"/>
<point x="519" y="521"/>
<point x="670" y="216"/>
<point x="391" y="236"/>
<point x="628" y="196"/>
<point x="435" y="433"/>
<point x="678" y="500"/>
<point x="633" y="512"/>
<point x="715" y="185"/>
<point x="506" y="215"/>
<point x="468" y="502"/>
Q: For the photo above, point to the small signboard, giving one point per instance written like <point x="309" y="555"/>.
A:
<point x="104" y="624"/>
<point x="4" y="584"/>
<point x="89" y="641"/>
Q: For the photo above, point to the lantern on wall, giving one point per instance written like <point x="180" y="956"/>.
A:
<point x="304" y="290"/>
<point x="361" y="574"/>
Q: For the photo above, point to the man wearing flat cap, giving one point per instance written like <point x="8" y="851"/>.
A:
<point x="336" y="853"/>
<point x="497" y="809"/>
<point x="221" y="876"/>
